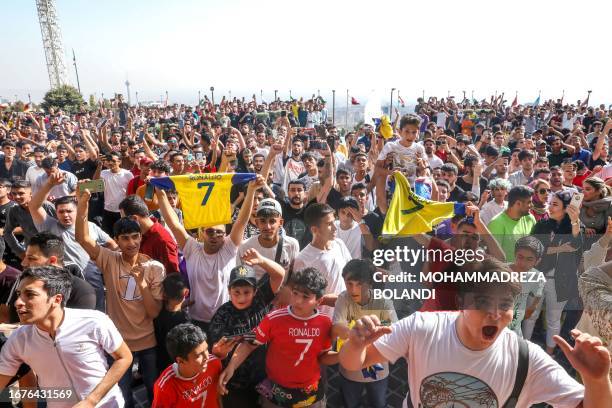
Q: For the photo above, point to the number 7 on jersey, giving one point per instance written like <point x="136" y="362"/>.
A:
<point x="209" y="186"/>
<point x="308" y="343"/>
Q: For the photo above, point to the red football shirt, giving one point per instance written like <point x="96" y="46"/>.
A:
<point x="159" y="245"/>
<point x="172" y="390"/>
<point x="294" y="345"/>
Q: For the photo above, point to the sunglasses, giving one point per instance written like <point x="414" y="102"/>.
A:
<point x="212" y="232"/>
<point x="544" y="191"/>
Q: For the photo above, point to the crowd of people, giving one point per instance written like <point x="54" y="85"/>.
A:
<point x="111" y="287"/>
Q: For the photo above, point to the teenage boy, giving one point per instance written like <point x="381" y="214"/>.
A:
<point x="55" y="341"/>
<point x="116" y="181"/>
<point x="250" y="301"/>
<point x="191" y="381"/>
<point x="327" y="253"/>
<point x="470" y="358"/>
<point x="175" y="291"/>
<point x="133" y="297"/>
<point x="528" y="252"/>
<point x="352" y="304"/>
<point x="298" y="339"/>
<point x="270" y="243"/>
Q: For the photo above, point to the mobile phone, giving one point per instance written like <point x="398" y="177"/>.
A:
<point x="94" y="186"/>
<point x="198" y="156"/>
<point x="576" y="200"/>
<point x="316" y="145"/>
<point x="190" y="157"/>
<point x="141" y="136"/>
<point x="331" y="142"/>
<point x="149" y="192"/>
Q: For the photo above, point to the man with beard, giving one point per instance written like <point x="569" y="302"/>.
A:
<point x="515" y="222"/>
<point x="557" y="181"/>
<point x="434" y="161"/>
<point x="293" y="213"/>
<point x="269" y="242"/>
<point x="209" y="263"/>
<point x="36" y="170"/>
<point x="11" y="166"/>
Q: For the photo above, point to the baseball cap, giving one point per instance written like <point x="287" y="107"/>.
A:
<point x="243" y="273"/>
<point x="269" y="204"/>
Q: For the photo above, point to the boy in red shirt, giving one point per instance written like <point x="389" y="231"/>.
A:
<point x="298" y="339"/>
<point x="192" y="380"/>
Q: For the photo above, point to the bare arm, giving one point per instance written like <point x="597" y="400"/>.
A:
<point x="171" y="219"/>
<point x="81" y="228"/>
<point x="123" y="360"/>
<point x="245" y="211"/>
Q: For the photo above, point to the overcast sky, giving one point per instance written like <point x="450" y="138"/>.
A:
<point x="246" y="46"/>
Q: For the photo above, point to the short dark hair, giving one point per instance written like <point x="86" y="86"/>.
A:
<point x="343" y="172"/>
<point x="134" y="205"/>
<point x="316" y="212"/>
<point x="525" y="154"/>
<point x="517" y="193"/>
<point x="161" y="165"/>
<point x="174" y="284"/>
<point x="57" y="281"/>
<point x="358" y="186"/>
<point x="298" y="181"/>
<point x="8" y="143"/>
<point x="183" y="339"/>
<point x="125" y="225"/>
<point x="469" y="160"/>
<point x="449" y="168"/>
<point x="410" y="120"/>
<point x="39" y="149"/>
<point x="19" y="183"/>
<point x="531" y="243"/>
<point x="309" y="280"/>
<point x="49" y="244"/>
<point x="443" y="183"/>
<point x="360" y="270"/>
<point x="65" y="200"/>
<point x="537" y="172"/>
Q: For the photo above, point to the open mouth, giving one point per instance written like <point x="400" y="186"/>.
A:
<point x="489" y="332"/>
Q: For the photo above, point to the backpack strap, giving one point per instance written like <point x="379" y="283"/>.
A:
<point x="521" y="372"/>
<point x="279" y="249"/>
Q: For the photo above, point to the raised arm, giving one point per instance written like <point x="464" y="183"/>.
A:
<point x="39" y="215"/>
<point x="245" y="211"/>
<point x="89" y="144"/>
<point x="171" y="219"/>
<point x="81" y="228"/>
<point x="275" y="271"/>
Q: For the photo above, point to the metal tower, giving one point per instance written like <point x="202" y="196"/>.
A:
<point x="52" y="42"/>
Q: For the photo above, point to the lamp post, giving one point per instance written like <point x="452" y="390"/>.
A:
<point x="347" y="111"/>
<point x="391" y="104"/>
<point x="333" y="106"/>
<point x="290" y="97"/>
<point x="275" y="93"/>
<point x="212" y="95"/>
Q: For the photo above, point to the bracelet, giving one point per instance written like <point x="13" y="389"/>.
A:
<point x="576" y="223"/>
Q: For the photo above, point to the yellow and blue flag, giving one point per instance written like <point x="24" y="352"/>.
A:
<point x="205" y="198"/>
<point x="409" y="214"/>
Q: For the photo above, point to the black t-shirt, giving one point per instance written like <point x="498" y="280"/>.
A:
<point x="163" y="323"/>
<point x="468" y="186"/>
<point x="229" y="321"/>
<point x="374" y="222"/>
<point x="555" y="159"/>
<point x="598" y="162"/>
<point x="457" y="195"/>
<point x="4" y="210"/>
<point x="294" y="224"/>
<point x="84" y="170"/>
<point x="18" y="169"/>
<point x="334" y="198"/>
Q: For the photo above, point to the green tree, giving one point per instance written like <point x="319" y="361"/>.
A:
<point x="92" y="102"/>
<point x="66" y="98"/>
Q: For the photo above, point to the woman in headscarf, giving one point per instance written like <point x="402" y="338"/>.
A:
<point x="562" y="238"/>
<point x="596" y="206"/>
<point x="541" y="194"/>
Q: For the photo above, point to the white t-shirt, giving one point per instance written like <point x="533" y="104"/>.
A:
<point x="75" y="360"/>
<point x="291" y="248"/>
<point x="115" y="187"/>
<point x="441" y="119"/>
<point x="435" y="161"/>
<point x="329" y="263"/>
<point x="208" y="277"/>
<point x="32" y="174"/>
<point x="490" y="209"/>
<point x="441" y="367"/>
<point x="351" y="238"/>
<point x="404" y="158"/>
